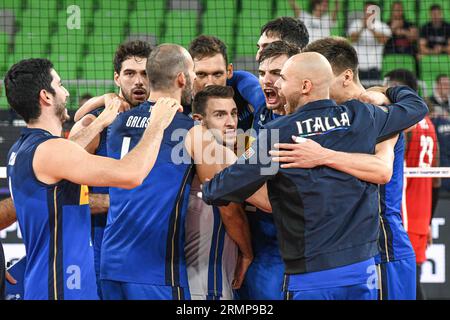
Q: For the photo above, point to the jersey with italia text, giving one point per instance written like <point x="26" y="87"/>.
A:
<point x="248" y="96"/>
<point x="325" y="218"/>
<point x="55" y="225"/>
<point x="144" y="235"/>
<point x="394" y="243"/>
<point x="211" y="255"/>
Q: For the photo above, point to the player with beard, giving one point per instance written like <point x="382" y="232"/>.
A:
<point x="265" y="275"/>
<point x="213" y="68"/>
<point x="131" y="78"/>
<point x="143" y="244"/>
<point x="47" y="177"/>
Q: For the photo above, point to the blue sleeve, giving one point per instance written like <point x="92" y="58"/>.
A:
<point x="248" y="86"/>
<point x="239" y="181"/>
<point x="407" y="110"/>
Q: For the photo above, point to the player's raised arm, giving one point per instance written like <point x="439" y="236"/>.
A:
<point x="98" y="102"/>
<point x="69" y="161"/>
<point x="211" y="157"/>
<point x="406" y="110"/>
<point x="307" y="154"/>
<point x="7" y="213"/>
<point x="241" y="180"/>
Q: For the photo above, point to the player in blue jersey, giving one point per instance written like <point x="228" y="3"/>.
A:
<point x="265" y="276"/>
<point x="396" y="258"/>
<point x="326" y="220"/>
<point x="130" y="76"/>
<point x="213" y="68"/>
<point x="143" y="244"/>
<point x="212" y="235"/>
<point x="47" y="174"/>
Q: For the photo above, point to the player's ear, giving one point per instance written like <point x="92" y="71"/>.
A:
<point x="181" y="80"/>
<point x="44" y="97"/>
<point x="230" y="69"/>
<point x="116" y="79"/>
<point x="347" y="77"/>
<point x="197" y="117"/>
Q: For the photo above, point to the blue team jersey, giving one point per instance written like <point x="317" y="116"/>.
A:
<point x="55" y="225"/>
<point x="144" y="236"/>
<point x="394" y="243"/>
<point x="262" y="226"/>
<point x="325" y="218"/>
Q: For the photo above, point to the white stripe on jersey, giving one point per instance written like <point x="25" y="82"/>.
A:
<point x="199" y="233"/>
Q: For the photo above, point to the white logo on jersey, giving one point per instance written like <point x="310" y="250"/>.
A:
<point x="74" y="280"/>
<point x="137" y="122"/>
<point x="318" y="125"/>
<point x="423" y="124"/>
<point x="12" y="159"/>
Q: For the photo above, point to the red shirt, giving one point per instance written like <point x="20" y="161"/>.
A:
<point x="420" y="152"/>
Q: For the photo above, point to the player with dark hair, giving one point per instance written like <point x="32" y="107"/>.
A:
<point x="264" y="278"/>
<point x="396" y="260"/>
<point x="143" y="244"/>
<point x="327" y="221"/>
<point x="47" y="177"/>
<point x="213" y="264"/>
<point x="213" y="68"/>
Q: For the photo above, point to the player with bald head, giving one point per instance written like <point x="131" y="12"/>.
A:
<point x="327" y="220"/>
<point x="143" y="246"/>
<point x="396" y="260"/>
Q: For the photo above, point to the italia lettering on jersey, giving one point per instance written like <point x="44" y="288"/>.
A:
<point x="55" y="225"/>
<point x="421" y="152"/>
<point x="144" y="237"/>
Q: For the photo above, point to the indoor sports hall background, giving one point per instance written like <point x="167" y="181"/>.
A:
<point x="80" y="38"/>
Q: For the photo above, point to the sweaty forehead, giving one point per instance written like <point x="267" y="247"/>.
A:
<point x="221" y="104"/>
<point x="134" y="63"/>
<point x="216" y="62"/>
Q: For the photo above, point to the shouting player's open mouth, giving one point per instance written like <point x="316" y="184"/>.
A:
<point x="272" y="97"/>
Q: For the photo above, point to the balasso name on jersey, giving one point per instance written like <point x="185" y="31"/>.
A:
<point x="323" y="125"/>
<point x="138" y="121"/>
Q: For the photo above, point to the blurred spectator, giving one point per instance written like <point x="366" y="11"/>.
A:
<point x="369" y="35"/>
<point x="441" y="93"/>
<point x="441" y="120"/>
<point x="84" y="98"/>
<point x="434" y="36"/>
<point x="317" y="20"/>
<point x="404" y="33"/>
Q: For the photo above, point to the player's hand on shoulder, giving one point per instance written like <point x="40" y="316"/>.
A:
<point x="110" y="112"/>
<point x="110" y="97"/>
<point x="302" y="153"/>
<point x="164" y="111"/>
<point x="374" y="97"/>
